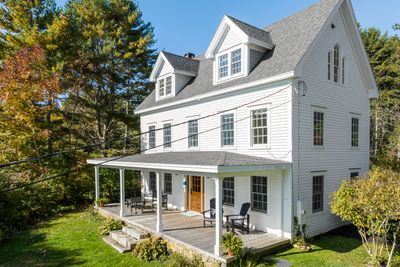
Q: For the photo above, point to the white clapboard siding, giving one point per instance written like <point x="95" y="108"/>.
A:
<point x="338" y="102"/>
<point x="231" y="39"/>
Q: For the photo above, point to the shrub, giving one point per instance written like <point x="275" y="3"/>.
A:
<point x="109" y="225"/>
<point x="232" y="243"/>
<point x="250" y="260"/>
<point x="152" y="248"/>
<point x="180" y="260"/>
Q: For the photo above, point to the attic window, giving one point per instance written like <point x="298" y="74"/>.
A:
<point x="168" y="90"/>
<point x="165" y="86"/>
<point x="161" y="87"/>
<point x="236" y="61"/>
<point x="229" y="64"/>
<point x="223" y="66"/>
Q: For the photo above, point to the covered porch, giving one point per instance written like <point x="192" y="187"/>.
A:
<point x="268" y="228"/>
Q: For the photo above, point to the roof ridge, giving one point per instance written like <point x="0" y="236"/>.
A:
<point x="241" y="21"/>
<point x="176" y="55"/>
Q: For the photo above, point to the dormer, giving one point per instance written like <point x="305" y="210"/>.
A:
<point x="172" y="72"/>
<point x="236" y="48"/>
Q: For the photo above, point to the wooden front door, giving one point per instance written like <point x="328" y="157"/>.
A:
<point x="196" y="193"/>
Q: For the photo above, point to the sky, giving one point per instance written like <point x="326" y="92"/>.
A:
<point x="182" y="26"/>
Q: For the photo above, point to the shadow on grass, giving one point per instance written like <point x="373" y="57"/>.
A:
<point x="29" y="248"/>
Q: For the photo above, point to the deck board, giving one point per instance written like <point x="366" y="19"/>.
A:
<point x="189" y="231"/>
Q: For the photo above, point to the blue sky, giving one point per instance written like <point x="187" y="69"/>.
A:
<point x="187" y="26"/>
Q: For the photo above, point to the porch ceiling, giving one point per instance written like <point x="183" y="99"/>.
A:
<point x="210" y="162"/>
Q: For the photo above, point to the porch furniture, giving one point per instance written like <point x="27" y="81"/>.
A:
<point x="164" y="199"/>
<point x="209" y="215"/>
<point x="239" y="221"/>
<point x="137" y="203"/>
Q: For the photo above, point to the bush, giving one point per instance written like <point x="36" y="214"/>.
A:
<point x="232" y="243"/>
<point x="250" y="260"/>
<point x="152" y="248"/>
<point x="180" y="260"/>
<point x="109" y="225"/>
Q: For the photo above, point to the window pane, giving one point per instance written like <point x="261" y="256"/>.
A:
<point x="193" y="133"/>
<point x="152" y="137"/>
<point x="161" y="85"/>
<point x="223" y="66"/>
<point x="228" y="190"/>
<point x="318" y="191"/>
<point x="227" y="130"/>
<point x="167" y="135"/>
<point x="168" y="183"/>
<point x="336" y="64"/>
<point x="259" y="126"/>
<point x="343" y="74"/>
<point x="259" y="193"/>
<point x="236" y="61"/>
<point x="169" y="85"/>
<point x="354" y="131"/>
<point x="318" y="128"/>
<point x="329" y="65"/>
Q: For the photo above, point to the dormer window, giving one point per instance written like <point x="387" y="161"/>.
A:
<point x="223" y="66"/>
<point x="165" y="86"/>
<point x="236" y="61"/>
<point x="168" y="90"/>
<point x="161" y="87"/>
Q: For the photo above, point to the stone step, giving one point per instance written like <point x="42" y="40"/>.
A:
<point x="115" y="244"/>
<point x="135" y="233"/>
<point x="123" y="239"/>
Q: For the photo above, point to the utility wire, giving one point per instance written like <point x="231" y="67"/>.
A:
<point x="141" y="151"/>
<point x="3" y="165"/>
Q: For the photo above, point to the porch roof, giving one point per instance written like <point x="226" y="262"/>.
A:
<point x="211" y="162"/>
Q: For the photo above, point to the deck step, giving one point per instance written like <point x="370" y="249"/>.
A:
<point x="115" y="244"/>
<point x="133" y="232"/>
<point x="123" y="239"/>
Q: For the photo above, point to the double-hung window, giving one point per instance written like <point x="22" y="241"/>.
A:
<point x="152" y="182"/>
<point x="318" y="193"/>
<point x="165" y="86"/>
<point x="259" y="193"/>
<point x="259" y="126"/>
<point x="228" y="191"/>
<point x="336" y="63"/>
<point x="168" y="183"/>
<point x="152" y="136"/>
<point x="161" y="87"/>
<point x="223" y="66"/>
<point x="354" y="131"/>
<point x="168" y="88"/>
<point x="318" y="128"/>
<point x="236" y="61"/>
<point x="227" y="130"/>
<point x="193" y="133"/>
<point x="167" y="135"/>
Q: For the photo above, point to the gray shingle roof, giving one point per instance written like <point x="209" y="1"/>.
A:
<point x="182" y="63"/>
<point x="198" y="158"/>
<point x="252" y="31"/>
<point x="291" y="36"/>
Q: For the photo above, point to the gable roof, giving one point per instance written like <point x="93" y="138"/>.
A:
<point x="252" y="31"/>
<point x="292" y="37"/>
<point x="182" y="63"/>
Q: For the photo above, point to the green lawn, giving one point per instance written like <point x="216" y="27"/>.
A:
<point x="68" y="240"/>
<point x="73" y="240"/>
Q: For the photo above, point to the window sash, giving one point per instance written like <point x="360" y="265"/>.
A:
<point x="152" y="181"/>
<point x="223" y="66"/>
<point x="355" y="131"/>
<point x="318" y="193"/>
<point x="227" y="130"/>
<point x="259" y="193"/>
<point x="228" y="191"/>
<point x="161" y="87"/>
<point x="193" y="133"/>
<point x="259" y="126"/>
<point x="336" y="55"/>
<point x="168" y="183"/>
<point x="329" y="65"/>
<point x="167" y="135"/>
<point x="343" y="74"/>
<point x="152" y="136"/>
<point x="236" y="61"/>
<point x="318" y="129"/>
<point x="168" y="88"/>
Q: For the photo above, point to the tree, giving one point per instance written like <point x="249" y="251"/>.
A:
<point x="372" y="205"/>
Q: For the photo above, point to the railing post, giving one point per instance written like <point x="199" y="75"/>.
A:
<point x="159" y="226"/>
<point x="122" y="192"/>
<point x="218" y="216"/>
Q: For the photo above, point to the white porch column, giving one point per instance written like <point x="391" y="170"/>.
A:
<point x="96" y="184"/>
<point x="122" y="192"/>
<point x="218" y="216"/>
<point x="159" y="226"/>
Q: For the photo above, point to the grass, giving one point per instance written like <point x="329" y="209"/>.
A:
<point x="72" y="239"/>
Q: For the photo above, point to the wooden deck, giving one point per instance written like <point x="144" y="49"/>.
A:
<point x="189" y="232"/>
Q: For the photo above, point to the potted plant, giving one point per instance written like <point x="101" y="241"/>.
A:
<point x="232" y="243"/>
<point x="102" y="201"/>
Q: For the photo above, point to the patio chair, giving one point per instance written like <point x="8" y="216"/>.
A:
<point x="136" y="203"/>
<point x="209" y="215"/>
<point x="239" y="221"/>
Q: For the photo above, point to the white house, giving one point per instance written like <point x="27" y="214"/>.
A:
<point x="237" y="124"/>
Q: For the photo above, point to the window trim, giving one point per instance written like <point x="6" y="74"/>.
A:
<point x="148" y="136"/>
<point x="268" y="195"/>
<point x="230" y="76"/>
<point x="322" y="193"/>
<point x="353" y="116"/>
<point x="191" y="118"/>
<point x="234" y="62"/>
<point x="228" y="189"/>
<point x="343" y="78"/>
<point x="170" y="132"/>
<point x="164" y="79"/>
<point x="323" y="111"/>
<point x="221" y="145"/>
<point x="336" y="67"/>
<point x="329" y="65"/>
<point x="250" y="137"/>
<point x="165" y="181"/>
